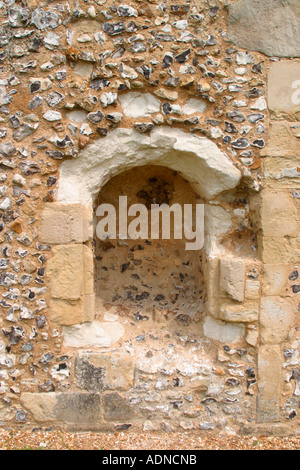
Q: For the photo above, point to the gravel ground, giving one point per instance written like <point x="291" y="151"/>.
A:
<point x="59" y="440"/>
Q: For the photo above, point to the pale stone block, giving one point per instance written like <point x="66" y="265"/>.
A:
<point x="278" y="214"/>
<point x="275" y="279"/>
<point x="92" y="334"/>
<point x="280" y="250"/>
<point x="212" y="276"/>
<point x="252" y="289"/>
<point x="268" y="26"/>
<point x="88" y="266"/>
<point x="283" y="87"/>
<point x="65" y="223"/>
<point x="65" y="272"/>
<point x="232" y="277"/>
<point x="282" y="173"/>
<point x="70" y="272"/>
<point x="276" y="319"/>
<point x="281" y="141"/>
<point x="236" y="313"/>
<point x="41" y="405"/>
<point x="72" y="312"/>
<point x="223" y="332"/>
<point x="269" y="380"/>
<point x="252" y="337"/>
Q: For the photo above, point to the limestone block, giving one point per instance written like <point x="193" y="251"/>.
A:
<point x="72" y="312"/>
<point x="92" y="333"/>
<point x="222" y="331"/>
<point x="88" y="267"/>
<point x="65" y="223"/>
<point x="278" y="214"/>
<point x="217" y="222"/>
<point x="252" y="289"/>
<point x="280" y="250"/>
<point x="212" y="277"/>
<point x="70" y="272"/>
<point x="275" y="279"/>
<point x="283" y="88"/>
<point x="81" y="408"/>
<point x="269" y="380"/>
<point x="78" y="408"/>
<point x="245" y="313"/>
<point x="282" y="141"/>
<point x="41" y="405"/>
<point x="276" y="319"/>
<point x="104" y="371"/>
<point x="65" y="272"/>
<point x="247" y="20"/>
<point x="282" y="173"/>
<point x="232" y="277"/>
<point x="252" y="337"/>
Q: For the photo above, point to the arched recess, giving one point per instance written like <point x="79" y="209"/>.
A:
<point x="67" y="224"/>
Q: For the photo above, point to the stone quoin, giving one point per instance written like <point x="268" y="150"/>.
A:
<point x="162" y="103"/>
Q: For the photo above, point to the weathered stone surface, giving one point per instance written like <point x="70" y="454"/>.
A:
<point x="269" y="378"/>
<point x="284" y="88"/>
<point x="79" y="408"/>
<point x="72" y="312"/>
<point x="223" y="332"/>
<point x="275" y="279"/>
<point x="278" y="214"/>
<point x="65" y="223"/>
<point x="67" y="274"/>
<point x="276" y="319"/>
<point x="247" y="21"/>
<point x="116" y="407"/>
<point x="97" y="371"/>
<point x="232" y="277"/>
<point x="282" y="141"/>
<point x="278" y="250"/>
<point x="244" y="313"/>
<point x="92" y="333"/>
<point x="41" y="405"/>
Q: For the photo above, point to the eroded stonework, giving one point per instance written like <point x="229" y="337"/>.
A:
<point x="91" y="92"/>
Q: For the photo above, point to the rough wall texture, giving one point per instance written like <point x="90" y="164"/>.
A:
<point x="89" y="89"/>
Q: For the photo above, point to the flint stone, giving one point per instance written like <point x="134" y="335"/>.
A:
<point x="44" y="19"/>
<point x="126" y="10"/>
<point x="24" y="131"/>
<point x="247" y="21"/>
<point x="112" y="29"/>
<point x="52" y="116"/>
<point x="7" y="149"/>
<point x="18" y="16"/>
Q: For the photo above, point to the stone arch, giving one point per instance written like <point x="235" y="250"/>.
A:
<point x="198" y="159"/>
